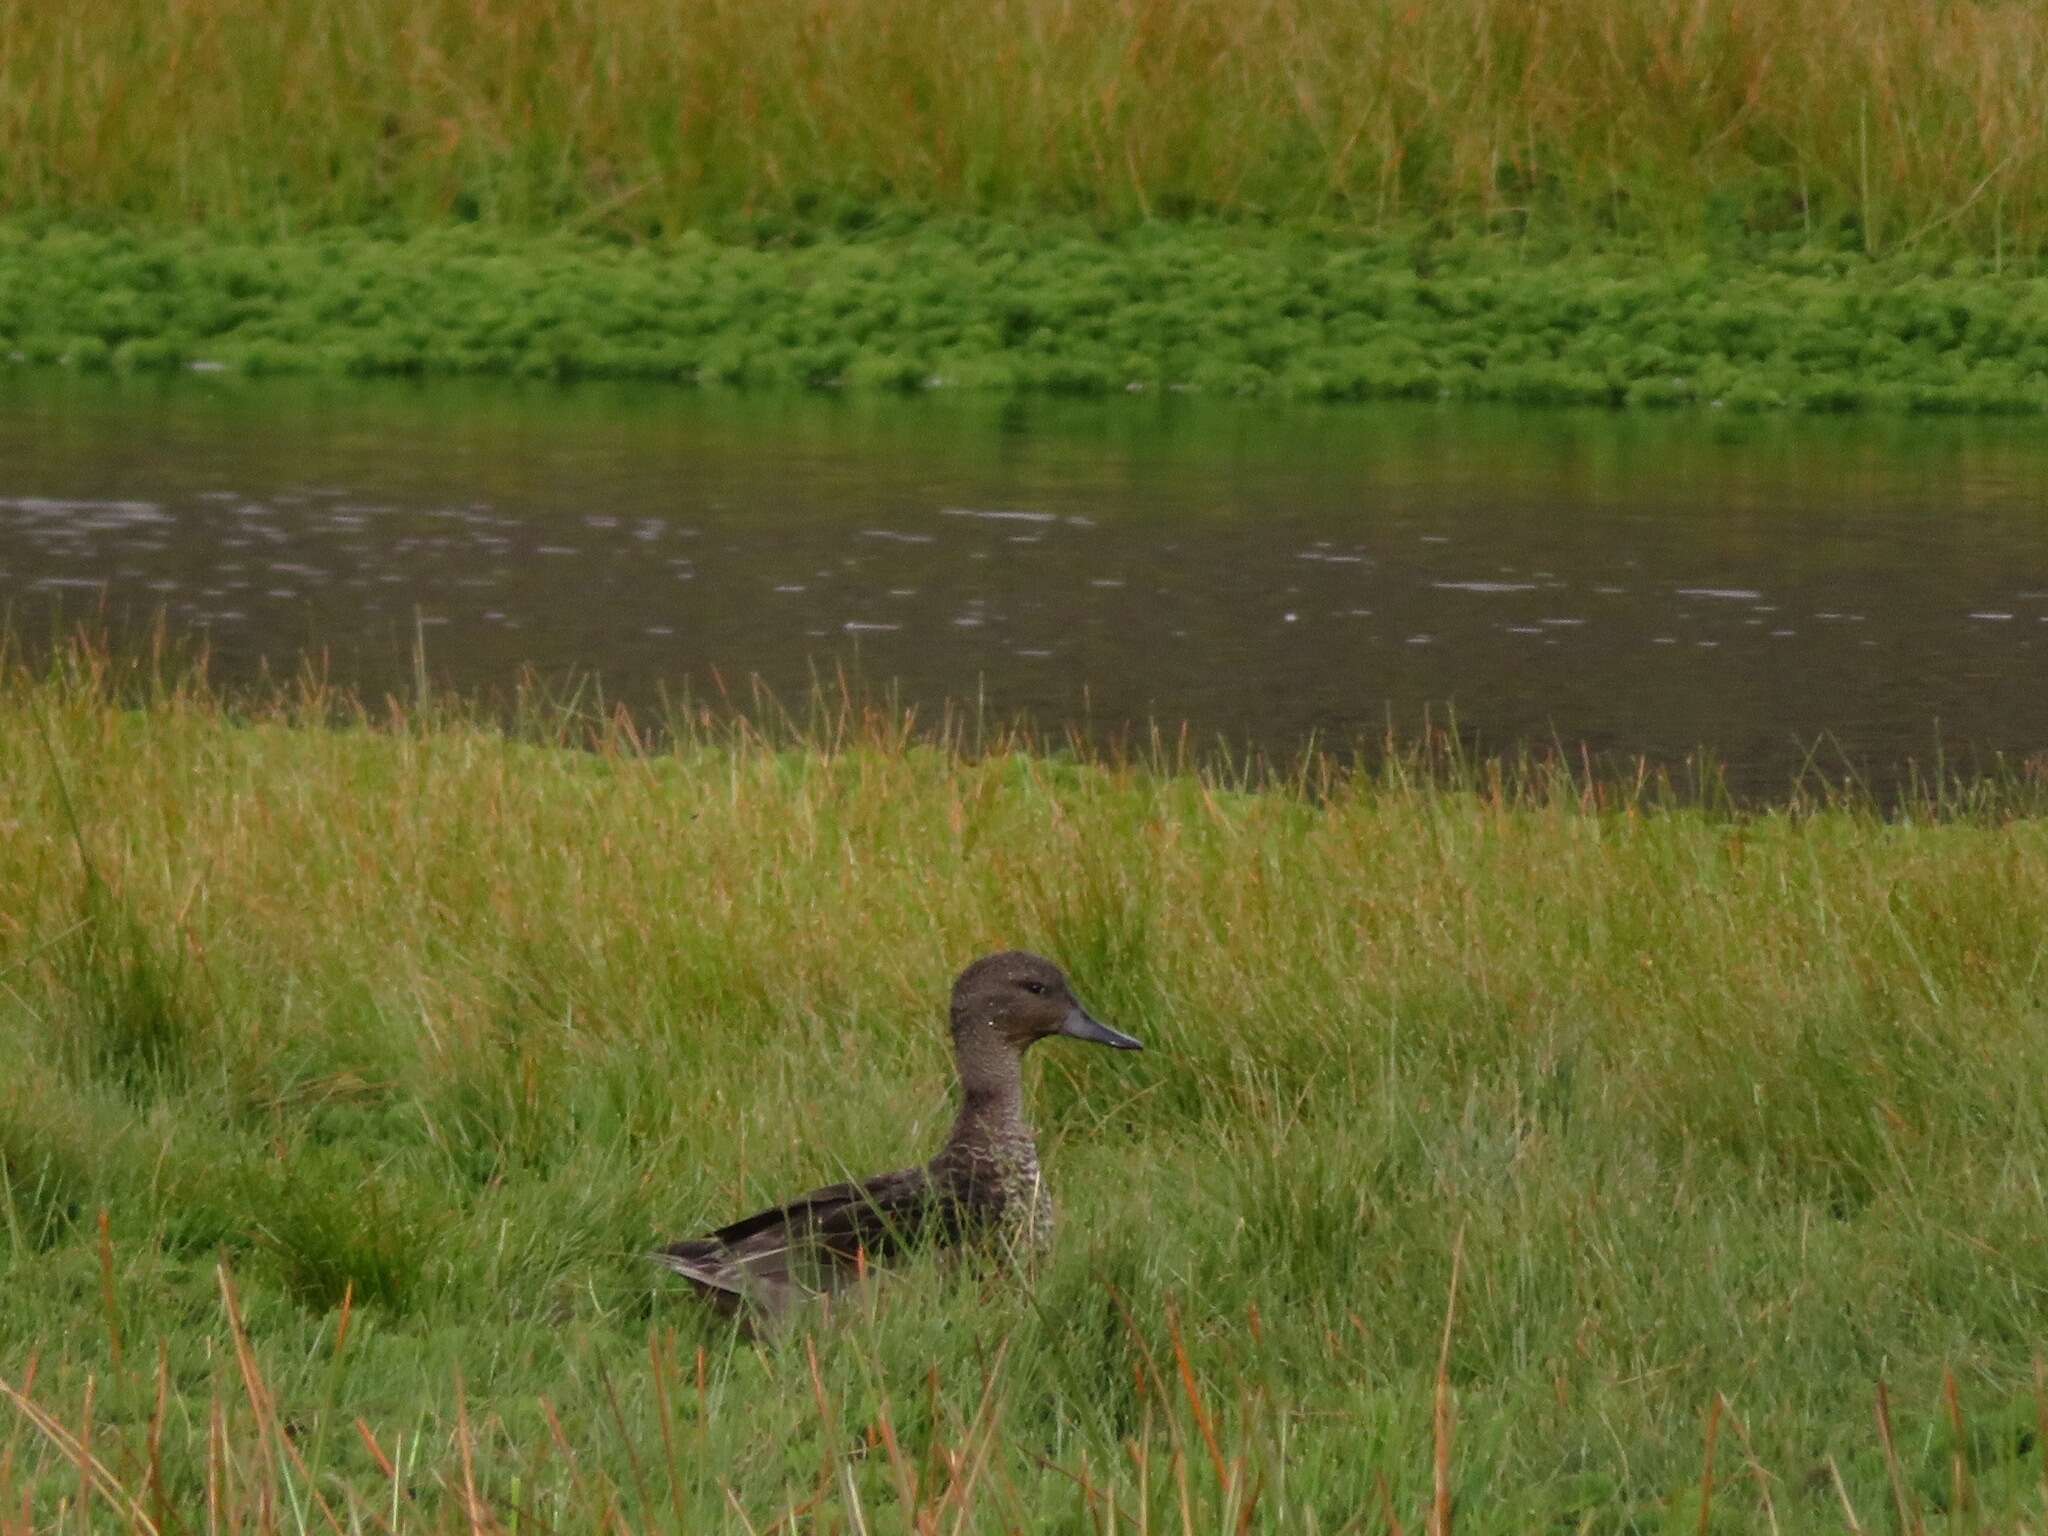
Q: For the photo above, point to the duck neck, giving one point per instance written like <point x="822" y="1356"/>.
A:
<point x="991" y="1095"/>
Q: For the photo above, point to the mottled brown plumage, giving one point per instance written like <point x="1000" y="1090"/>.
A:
<point x="983" y="1186"/>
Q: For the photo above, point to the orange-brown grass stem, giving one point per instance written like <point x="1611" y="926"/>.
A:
<point x="1707" y="1470"/>
<point x="270" y="1431"/>
<point x="1442" y="1419"/>
<point x="1902" y="1500"/>
<point x="1194" y="1395"/>
<point x="108" y="1298"/>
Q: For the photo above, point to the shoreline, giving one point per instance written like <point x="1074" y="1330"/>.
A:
<point x="1292" y="312"/>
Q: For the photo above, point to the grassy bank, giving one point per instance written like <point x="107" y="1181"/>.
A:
<point x="1292" y="313"/>
<point x="350" y="1067"/>
<point x="1837" y="204"/>
<point x="1896" y="121"/>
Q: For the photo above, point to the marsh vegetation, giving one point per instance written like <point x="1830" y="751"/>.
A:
<point x="1891" y="122"/>
<point x="1836" y="205"/>
<point x="1288" y="313"/>
<point x="357" y="1053"/>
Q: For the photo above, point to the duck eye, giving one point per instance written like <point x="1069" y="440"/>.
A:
<point x="1036" y="988"/>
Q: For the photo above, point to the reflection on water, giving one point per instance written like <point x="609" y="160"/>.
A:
<point x="1638" y="586"/>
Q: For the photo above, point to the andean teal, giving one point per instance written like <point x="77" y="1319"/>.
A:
<point x="983" y="1186"/>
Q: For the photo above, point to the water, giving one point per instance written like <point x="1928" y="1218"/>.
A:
<point x="1772" y="591"/>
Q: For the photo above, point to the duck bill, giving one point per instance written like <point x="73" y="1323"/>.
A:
<point x="1080" y="1024"/>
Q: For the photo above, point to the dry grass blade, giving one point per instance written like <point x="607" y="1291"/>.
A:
<point x="633" y="1466"/>
<point x="369" y="1439"/>
<point x="1387" y="1512"/>
<point x="81" y="1456"/>
<point x="982" y="1433"/>
<point x="1141" y="1456"/>
<point x="85" y="1455"/>
<point x="902" y="1471"/>
<point x="1195" y="1404"/>
<point x="1145" y="1368"/>
<point x="1962" y="1497"/>
<point x="348" y="1312"/>
<point x="828" y="1421"/>
<point x="1707" y="1472"/>
<point x="2041" y="1417"/>
<point x="219" y="1468"/>
<point x="661" y="1369"/>
<point x="474" y="1510"/>
<point x="276" y="1441"/>
<point x="108" y="1297"/>
<point x="1442" y="1422"/>
<point x="1249" y="1510"/>
<point x="856" y="1515"/>
<point x="1757" y="1472"/>
<point x="1842" y="1493"/>
<point x="571" y="1460"/>
<point x="1902" y="1500"/>
<point x="157" y="1497"/>
<point x="739" y="1512"/>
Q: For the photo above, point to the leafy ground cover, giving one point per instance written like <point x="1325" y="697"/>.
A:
<point x="1542" y="1154"/>
<point x="1289" y="313"/>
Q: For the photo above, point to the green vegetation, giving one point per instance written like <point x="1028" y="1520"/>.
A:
<point x="1899" y="121"/>
<point x="1294" y="314"/>
<point x="352" y="1062"/>
<point x="1836" y="205"/>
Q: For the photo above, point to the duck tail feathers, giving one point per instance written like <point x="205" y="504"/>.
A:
<point x="705" y="1263"/>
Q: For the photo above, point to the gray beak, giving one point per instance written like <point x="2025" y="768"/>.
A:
<point x="1083" y="1025"/>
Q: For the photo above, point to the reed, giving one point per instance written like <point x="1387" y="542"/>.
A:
<point x="1898" y="121"/>
<point x="1496" y="1127"/>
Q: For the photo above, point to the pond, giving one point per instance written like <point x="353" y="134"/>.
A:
<point x="1775" y="591"/>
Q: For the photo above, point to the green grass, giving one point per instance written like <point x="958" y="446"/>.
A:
<point x="1290" y="313"/>
<point x="1899" y="122"/>
<point x="353" y="1059"/>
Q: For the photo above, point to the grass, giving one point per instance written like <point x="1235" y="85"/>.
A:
<point x="1512" y="1152"/>
<point x="1836" y="205"/>
<point x="1288" y="313"/>
<point x="1895" y="120"/>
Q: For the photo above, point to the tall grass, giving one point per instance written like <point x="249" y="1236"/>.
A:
<point x="1512" y="1152"/>
<point x="1904" y="118"/>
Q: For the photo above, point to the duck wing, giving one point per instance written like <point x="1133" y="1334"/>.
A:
<point x="815" y="1244"/>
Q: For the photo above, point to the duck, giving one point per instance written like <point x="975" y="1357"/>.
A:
<point x="982" y="1189"/>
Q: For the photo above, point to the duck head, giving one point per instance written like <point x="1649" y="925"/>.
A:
<point x="1003" y="1002"/>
